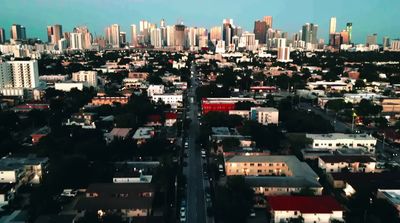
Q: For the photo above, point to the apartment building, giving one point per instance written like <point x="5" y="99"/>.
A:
<point x="338" y="163"/>
<point x="88" y="78"/>
<point x="175" y="100"/>
<point x="334" y="141"/>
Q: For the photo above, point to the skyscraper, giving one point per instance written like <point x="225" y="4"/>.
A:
<point x="155" y="37"/>
<point x="386" y="42"/>
<point x="2" y="36"/>
<point x="133" y="35"/>
<point x="122" y="37"/>
<point x="76" y="41"/>
<point x="283" y="51"/>
<point x="54" y="33"/>
<point x="260" y="31"/>
<point x="19" y="74"/>
<point x="349" y="29"/>
<point x="216" y="33"/>
<point x="332" y="25"/>
<point x="86" y="36"/>
<point x="115" y="40"/>
<point x="179" y="36"/>
<point x="17" y="32"/>
<point x="268" y="21"/>
<point x="372" y="39"/>
<point x="227" y="31"/>
<point x="170" y="36"/>
<point x="309" y="33"/>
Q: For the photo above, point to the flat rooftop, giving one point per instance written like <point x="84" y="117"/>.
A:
<point x="336" y="136"/>
<point x="144" y="133"/>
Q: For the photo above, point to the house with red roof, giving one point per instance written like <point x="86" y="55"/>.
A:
<point x="313" y="209"/>
<point x="154" y="120"/>
<point x="170" y="118"/>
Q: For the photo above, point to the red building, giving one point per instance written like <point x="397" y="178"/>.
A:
<point x="221" y="104"/>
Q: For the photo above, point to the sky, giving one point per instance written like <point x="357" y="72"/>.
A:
<point x="367" y="16"/>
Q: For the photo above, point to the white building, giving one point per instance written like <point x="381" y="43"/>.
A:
<point x="336" y="163"/>
<point x="314" y="209"/>
<point x="155" y="38"/>
<point x="155" y="89"/>
<point x="334" y="141"/>
<point x="89" y="78"/>
<point x="175" y="100"/>
<point x="68" y="86"/>
<point x="76" y="40"/>
<point x="19" y="74"/>
<point x="265" y="116"/>
<point x="283" y="51"/>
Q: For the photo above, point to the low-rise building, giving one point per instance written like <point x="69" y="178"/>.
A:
<point x="337" y="163"/>
<point x="321" y="209"/>
<point x="265" y="116"/>
<point x="68" y="86"/>
<point x="273" y="175"/>
<point x="392" y="196"/>
<point x="39" y="134"/>
<point x="143" y="134"/>
<point x="155" y="89"/>
<point x="86" y="120"/>
<point x="97" y="101"/>
<point x="334" y="141"/>
<point x="175" y="100"/>
<point x="88" y="78"/>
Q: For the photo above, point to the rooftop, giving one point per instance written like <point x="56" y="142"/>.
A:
<point x="313" y="204"/>
<point x="347" y="159"/>
<point x="391" y="195"/>
<point x="144" y="133"/>
<point x="336" y="136"/>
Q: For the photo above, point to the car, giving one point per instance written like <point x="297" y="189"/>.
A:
<point x="183" y="211"/>
<point x="252" y="213"/>
<point x="69" y="193"/>
<point x="208" y="197"/>
<point x="183" y="218"/>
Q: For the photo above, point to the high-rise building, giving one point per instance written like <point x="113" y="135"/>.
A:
<point x="332" y="25"/>
<point x="309" y="33"/>
<point x="260" y="31"/>
<point x="76" y="41"/>
<point x="86" y="36"/>
<point x="283" y="51"/>
<point x="2" y="36"/>
<point x="192" y="37"/>
<point x="395" y="45"/>
<point x="162" y="23"/>
<point x="62" y="44"/>
<point x="122" y="37"/>
<point x="216" y="33"/>
<point x="248" y="40"/>
<point x="54" y="33"/>
<point x="155" y="38"/>
<point x="19" y="74"/>
<point x="89" y="78"/>
<point x="345" y="39"/>
<point x="133" y="36"/>
<point x="386" y="42"/>
<point x="17" y="32"/>
<point x="170" y="36"/>
<point x="115" y="39"/>
<point x="372" y="39"/>
<point x="349" y="29"/>
<point x="268" y="21"/>
<point x="227" y="31"/>
<point x="179" y="36"/>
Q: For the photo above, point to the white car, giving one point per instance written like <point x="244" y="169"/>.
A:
<point x="183" y="214"/>
<point x="69" y="193"/>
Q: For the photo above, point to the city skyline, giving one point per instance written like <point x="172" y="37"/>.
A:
<point x="366" y="18"/>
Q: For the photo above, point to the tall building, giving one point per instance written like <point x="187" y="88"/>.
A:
<point x="386" y="42"/>
<point x="86" y="36"/>
<point x="162" y="23"/>
<point x="309" y="33"/>
<point x="17" y="32"/>
<point x="372" y="39"/>
<point x="260" y="31"/>
<point x="332" y="25"/>
<point x="144" y="29"/>
<point x="54" y="33"/>
<point x="155" y="38"/>
<point x="283" y="51"/>
<point x="19" y="74"/>
<point x="115" y="39"/>
<point x="227" y="31"/>
<point x="268" y="21"/>
<point x="2" y="36"/>
<point x="133" y="36"/>
<point x="122" y="37"/>
<point x="248" y="40"/>
<point x="216" y="33"/>
<point x="76" y="41"/>
<point x="170" y="36"/>
<point x="179" y="36"/>
<point x="89" y="78"/>
<point x="192" y="37"/>
<point x="62" y="44"/>
<point x="349" y="29"/>
<point x="395" y="45"/>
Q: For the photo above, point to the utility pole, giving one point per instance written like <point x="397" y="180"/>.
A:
<point x="352" y="120"/>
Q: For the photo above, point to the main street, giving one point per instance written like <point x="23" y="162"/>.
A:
<point x="196" y="211"/>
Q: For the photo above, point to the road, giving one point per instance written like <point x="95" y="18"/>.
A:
<point x="196" y="209"/>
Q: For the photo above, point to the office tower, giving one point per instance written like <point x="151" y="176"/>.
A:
<point x="144" y="27"/>
<point x="76" y="41"/>
<point x="62" y="44"/>
<point x="237" y="31"/>
<point x="179" y="36"/>
<point x="372" y="39"/>
<point x="19" y="74"/>
<point x="283" y="50"/>
<point x="170" y="36"/>
<point x="162" y="23"/>
<point x="227" y="31"/>
<point x="143" y="24"/>
<point x="260" y="31"/>
<point x="86" y="36"/>
<point x="54" y="33"/>
<point x="17" y="32"/>
<point x="335" y="40"/>
<point x="248" y="40"/>
<point x="386" y="42"/>
<point x="395" y="45"/>
<point x="115" y="31"/>
<point x="344" y="36"/>
<point x="268" y="21"/>
<point x="203" y="42"/>
<point x="192" y="36"/>
<point x="133" y="36"/>
<point x="332" y="25"/>
<point x="122" y="37"/>
<point x="349" y="29"/>
<point x="2" y="36"/>
<point x="216" y="33"/>
<point x="155" y="38"/>
<point x="89" y="78"/>
<point x="309" y="33"/>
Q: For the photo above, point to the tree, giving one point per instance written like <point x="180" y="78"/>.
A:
<point x="296" y="220"/>
<point x="337" y="105"/>
<point x="230" y="143"/>
<point x="244" y="105"/>
<point x="359" y="84"/>
<point x="367" y="108"/>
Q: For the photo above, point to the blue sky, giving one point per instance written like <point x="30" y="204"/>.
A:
<point x="367" y="16"/>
